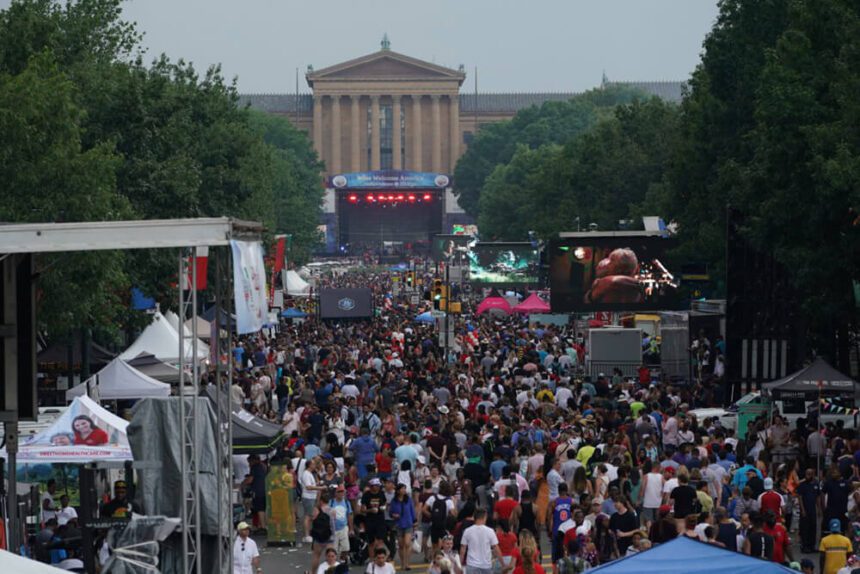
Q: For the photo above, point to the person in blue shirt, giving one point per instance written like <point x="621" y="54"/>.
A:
<point x="364" y="451"/>
<point x="739" y="480"/>
<point x="560" y="510"/>
<point x="497" y="466"/>
<point x="342" y="510"/>
<point x="402" y="512"/>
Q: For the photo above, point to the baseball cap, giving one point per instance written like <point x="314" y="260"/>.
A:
<point x="768" y="483"/>
<point x="375" y="482"/>
<point x="835" y="525"/>
<point x="242" y="526"/>
<point x="807" y="563"/>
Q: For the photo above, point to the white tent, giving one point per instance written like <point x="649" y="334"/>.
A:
<point x="296" y="286"/>
<point x="10" y="562"/>
<point x="161" y="340"/>
<point x="120" y="381"/>
<point x="204" y="327"/>
<point x="173" y="319"/>
<point x="84" y="433"/>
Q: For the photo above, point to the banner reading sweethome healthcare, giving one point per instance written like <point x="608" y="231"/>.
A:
<point x="249" y="286"/>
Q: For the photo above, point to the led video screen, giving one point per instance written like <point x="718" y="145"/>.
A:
<point x="611" y="274"/>
<point x="448" y="247"/>
<point x="346" y="303"/>
<point x="509" y="264"/>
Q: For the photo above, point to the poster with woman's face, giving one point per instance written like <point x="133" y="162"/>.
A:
<point x="76" y="427"/>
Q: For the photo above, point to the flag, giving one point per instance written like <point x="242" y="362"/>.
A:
<point x="202" y="264"/>
<point x="280" y="250"/>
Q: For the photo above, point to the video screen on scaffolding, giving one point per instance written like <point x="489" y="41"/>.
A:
<point x="504" y="264"/>
<point x="611" y="274"/>
<point x="449" y="247"/>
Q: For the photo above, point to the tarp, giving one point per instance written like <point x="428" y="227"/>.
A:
<point x="84" y="433"/>
<point x="494" y="302"/>
<point x="226" y="318"/>
<point x="150" y="365"/>
<point x="10" y="562"/>
<point x="173" y="319"/>
<point x="806" y="382"/>
<point x="296" y="286"/>
<point x="154" y="435"/>
<point x="532" y="304"/>
<point x="161" y="340"/>
<point x="251" y="434"/>
<point x="684" y="555"/>
<point x="120" y="381"/>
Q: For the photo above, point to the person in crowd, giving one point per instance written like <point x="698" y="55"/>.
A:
<point x="246" y="556"/>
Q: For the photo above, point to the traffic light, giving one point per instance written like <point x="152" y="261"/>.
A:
<point x="410" y="278"/>
<point x="437" y="294"/>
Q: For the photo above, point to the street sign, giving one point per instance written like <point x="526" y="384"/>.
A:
<point x="437" y="314"/>
<point x="414" y="300"/>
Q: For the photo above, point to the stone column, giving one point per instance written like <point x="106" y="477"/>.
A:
<point x="318" y="133"/>
<point x="396" y="141"/>
<point x="417" y="164"/>
<point x="454" y="138"/>
<point x="355" y="141"/>
<point x="374" y="132"/>
<point x="335" y="135"/>
<point x="437" y="134"/>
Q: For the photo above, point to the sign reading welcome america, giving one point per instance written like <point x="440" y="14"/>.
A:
<point x="391" y="179"/>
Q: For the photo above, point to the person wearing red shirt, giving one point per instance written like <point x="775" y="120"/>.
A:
<point x="530" y="562"/>
<point x="770" y="500"/>
<point x="86" y="431"/>
<point x="503" y="509"/>
<point x="781" y="541"/>
<point x="383" y="462"/>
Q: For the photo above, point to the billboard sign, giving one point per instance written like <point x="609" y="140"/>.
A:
<point x="504" y="264"/>
<point x="611" y="274"/>
<point x="346" y="303"/>
<point x="390" y="179"/>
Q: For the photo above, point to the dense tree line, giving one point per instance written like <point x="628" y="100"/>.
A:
<point x="768" y="126"/>
<point x="91" y="132"/>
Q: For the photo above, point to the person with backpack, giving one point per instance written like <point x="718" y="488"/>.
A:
<point x="442" y="512"/>
<point x="322" y="529"/>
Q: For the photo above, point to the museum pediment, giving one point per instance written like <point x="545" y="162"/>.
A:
<point x="385" y="65"/>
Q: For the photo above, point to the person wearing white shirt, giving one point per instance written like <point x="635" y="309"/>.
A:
<point x="479" y="545"/>
<point x="246" y="556"/>
<point x="562" y="395"/>
<point x="66" y="512"/>
<point x="329" y="562"/>
<point x="379" y="565"/>
<point x="49" y="509"/>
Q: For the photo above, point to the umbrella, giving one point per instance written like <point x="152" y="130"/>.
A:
<point x="425" y="317"/>
<point x="293" y="313"/>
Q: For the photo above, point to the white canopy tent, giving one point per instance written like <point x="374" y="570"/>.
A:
<point x="84" y="433"/>
<point x="173" y="319"/>
<point x="204" y="327"/>
<point x="161" y="340"/>
<point x="296" y="286"/>
<point x="120" y="381"/>
<point x="10" y="562"/>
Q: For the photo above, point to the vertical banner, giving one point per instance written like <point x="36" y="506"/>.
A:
<point x="280" y="251"/>
<point x="249" y="286"/>
<point x="281" y="523"/>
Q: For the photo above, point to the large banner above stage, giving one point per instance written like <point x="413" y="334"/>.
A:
<point x="390" y="179"/>
<point x="249" y="286"/>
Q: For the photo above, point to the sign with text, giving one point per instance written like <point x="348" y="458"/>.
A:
<point x="390" y="179"/>
<point x="249" y="285"/>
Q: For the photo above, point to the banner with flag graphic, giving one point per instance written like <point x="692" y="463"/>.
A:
<point x="832" y="408"/>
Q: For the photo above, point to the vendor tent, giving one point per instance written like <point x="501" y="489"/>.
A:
<point x="293" y="313"/>
<point x="173" y="319"/>
<point x="58" y="354"/>
<point x="494" y="302"/>
<point x="684" y="555"/>
<point x="251" y="434"/>
<point x="296" y="286"/>
<point x="120" y="381"/>
<point x="532" y="304"/>
<point x="204" y="328"/>
<point x="818" y="377"/>
<point x="84" y="433"/>
<point x="161" y="340"/>
<point x="150" y="365"/>
<point x="10" y="562"/>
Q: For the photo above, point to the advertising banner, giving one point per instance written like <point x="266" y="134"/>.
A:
<point x="281" y="523"/>
<point x="392" y="179"/>
<point x="346" y="303"/>
<point x="249" y="286"/>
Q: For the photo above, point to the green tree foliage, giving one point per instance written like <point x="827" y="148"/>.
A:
<point x="600" y="177"/>
<point x="551" y="123"/>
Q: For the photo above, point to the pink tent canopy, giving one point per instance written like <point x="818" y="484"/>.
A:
<point x="532" y="304"/>
<point x="494" y="302"/>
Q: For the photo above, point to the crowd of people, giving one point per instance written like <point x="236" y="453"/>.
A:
<point x="488" y="455"/>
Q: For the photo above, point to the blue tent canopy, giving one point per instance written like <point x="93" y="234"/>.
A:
<point x="425" y="317"/>
<point x="686" y="556"/>
<point x="293" y="313"/>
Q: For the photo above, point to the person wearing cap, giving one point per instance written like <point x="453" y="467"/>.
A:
<point x="770" y="500"/>
<point x="834" y="548"/>
<point x="246" y="556"/>
<point x="119" y="505"/>
<point x="372" y="507"/>
<point x="342" y="511"/>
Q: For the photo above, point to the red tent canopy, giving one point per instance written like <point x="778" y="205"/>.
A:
<point x="532" y="304"/>
<point x="494" y="302"/>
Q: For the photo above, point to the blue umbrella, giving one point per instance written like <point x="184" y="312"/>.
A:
<point x="293" y="313"/>
<point x="425" y="317"/>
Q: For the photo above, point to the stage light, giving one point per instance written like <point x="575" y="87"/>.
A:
<point x="353" y="198"/>
<point x="411" y="197"/>
<point x="400" y="197"/>
<point x="369" y="198"/>
<point x="390" y="198"/>
<point x="382" y="197"/>
<point x="427" y="197"/>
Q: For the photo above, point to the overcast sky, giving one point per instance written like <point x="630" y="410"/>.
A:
<point x="541" y="45"/>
